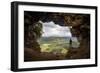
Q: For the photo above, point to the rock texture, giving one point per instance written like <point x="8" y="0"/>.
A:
<point x="80" y="28"/>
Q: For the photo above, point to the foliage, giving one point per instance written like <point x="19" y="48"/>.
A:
<point x="56" y="45"/>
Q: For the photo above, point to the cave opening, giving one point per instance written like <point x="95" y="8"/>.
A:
<point x="56" y="36"/>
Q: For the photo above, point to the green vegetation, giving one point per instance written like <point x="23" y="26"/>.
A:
<point x="55" y="45"/>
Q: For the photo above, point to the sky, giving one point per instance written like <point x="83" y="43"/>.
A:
<point x="50" y="29"/>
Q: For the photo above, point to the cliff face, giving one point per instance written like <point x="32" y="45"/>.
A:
<point x="80" y="28"/>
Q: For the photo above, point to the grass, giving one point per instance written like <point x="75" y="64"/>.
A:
<point x="55" y="46"/>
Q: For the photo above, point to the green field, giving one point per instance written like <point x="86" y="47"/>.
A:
<point x="55" y="44"/>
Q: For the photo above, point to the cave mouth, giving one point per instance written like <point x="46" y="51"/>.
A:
<point x="56" y="38"/>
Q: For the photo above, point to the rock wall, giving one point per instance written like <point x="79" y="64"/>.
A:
<point x="80" y="28"/>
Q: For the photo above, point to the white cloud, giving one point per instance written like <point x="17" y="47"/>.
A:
<point x="50" y="29"/>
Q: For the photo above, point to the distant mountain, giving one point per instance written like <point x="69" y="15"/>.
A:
<point x="55" y="38"/>
<point x="63" y="41"/>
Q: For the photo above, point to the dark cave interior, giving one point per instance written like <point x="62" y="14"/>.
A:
<point x="80" y="28"/>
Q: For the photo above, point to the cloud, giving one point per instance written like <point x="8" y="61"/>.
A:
<point x="50" y="29"/>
